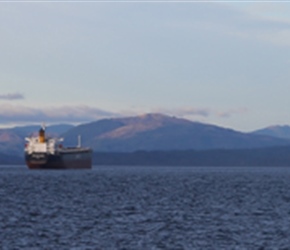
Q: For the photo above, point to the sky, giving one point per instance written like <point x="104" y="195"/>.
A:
<point x="225" y="63"/>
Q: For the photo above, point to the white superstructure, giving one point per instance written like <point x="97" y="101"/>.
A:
<point x="40" y="144"/>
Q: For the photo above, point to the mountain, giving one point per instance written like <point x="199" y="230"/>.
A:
<point x="10" y="143"/>
<point x="275" y="131"/>
<point x="159" y="132"/>
<point x="150" y="132"/>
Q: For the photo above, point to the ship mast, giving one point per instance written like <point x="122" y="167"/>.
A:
<point x="79" y="141"/>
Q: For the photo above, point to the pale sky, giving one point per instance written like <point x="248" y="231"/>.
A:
<point x="219" y="62"/>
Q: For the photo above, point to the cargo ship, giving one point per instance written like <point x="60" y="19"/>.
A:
<point x="49" y="153"/>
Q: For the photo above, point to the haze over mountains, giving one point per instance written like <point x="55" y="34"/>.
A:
<point x="150" y="132"/>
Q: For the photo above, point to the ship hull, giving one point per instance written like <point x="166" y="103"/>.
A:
<point x="67" y="159"/>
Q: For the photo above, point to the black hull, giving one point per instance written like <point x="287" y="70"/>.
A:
<point x="70" y="159"/>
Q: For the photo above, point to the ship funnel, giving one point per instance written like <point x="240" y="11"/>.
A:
<point x="41" y="135"/>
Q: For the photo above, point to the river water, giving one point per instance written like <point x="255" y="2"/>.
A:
<point x="145" y="208"/>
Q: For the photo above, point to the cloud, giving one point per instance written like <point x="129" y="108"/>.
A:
<point x="17" y="114"/>
<point x="12" y="114"/>
<point x="11" y="96"/>
<point x="185" y="111"/>
<point x="231" y="112"/>
<point x="188" y="112"/>
<point x="262" y="21"/>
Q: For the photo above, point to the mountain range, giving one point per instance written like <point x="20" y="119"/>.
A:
<point x="159" y="132"/>
<point x="150" y="132"/>
<point x="275" y="131"/>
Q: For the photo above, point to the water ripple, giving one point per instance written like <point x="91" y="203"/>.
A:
<point x="145" y="208"/>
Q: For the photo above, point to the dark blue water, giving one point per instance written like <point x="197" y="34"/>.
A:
<point x="145" y="208"/>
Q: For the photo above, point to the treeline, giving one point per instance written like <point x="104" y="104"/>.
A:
<point x="6" y="159"/>
<point x="275" y="156"/>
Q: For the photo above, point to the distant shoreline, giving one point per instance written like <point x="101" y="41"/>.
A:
<point x="272" y="156"/>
